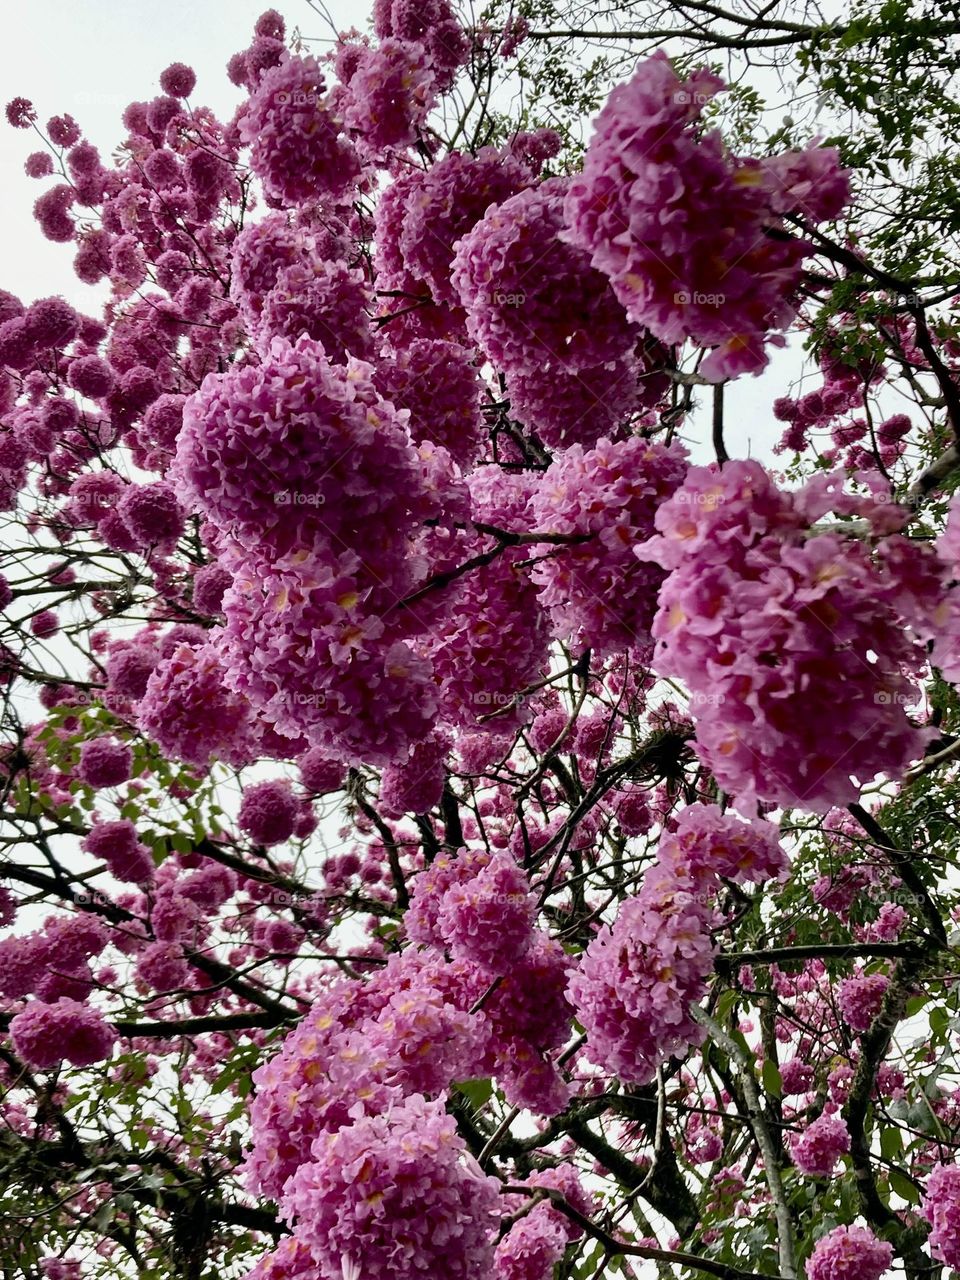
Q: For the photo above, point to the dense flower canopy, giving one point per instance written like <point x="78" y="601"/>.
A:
<point x="463" y="816"/>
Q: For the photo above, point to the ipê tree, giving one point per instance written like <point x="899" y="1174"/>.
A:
<point x="462" y="815"/>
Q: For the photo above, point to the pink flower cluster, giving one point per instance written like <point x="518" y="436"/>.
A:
<point x="439" y="385"/>
<point x="941" y="1208"/>
<point x="268" y="812"/>
<point x="493" y="639"/>
<point x="297" y="148"/>
<point x="189" y="711"/>
<point x="44" y="1035"/>
<point x="597" y="592"/>
<point x="860" y="998"/>
<point x="849" y="1253"/>
<point x="420" y="219"/>
<point x="534" y="302"/>
<point x="638" y="977"/>
<point x="104" y="762"/>
<point x="679" y="225"/>
<point x="117" y="844"/>
<point x="821" y="1144"/>
<point x="725" y="845"/>
<point x="762" y="620"/>
<point x="489" y="918"/>
<point x="397" y="1194"/>
<point x="416" y="784"/>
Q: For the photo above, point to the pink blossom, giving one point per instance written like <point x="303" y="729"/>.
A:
<point x="849" y="1253"/>
<point x="44" y="1034"/>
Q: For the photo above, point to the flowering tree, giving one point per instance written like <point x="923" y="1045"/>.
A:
<point x="462" y="816"/>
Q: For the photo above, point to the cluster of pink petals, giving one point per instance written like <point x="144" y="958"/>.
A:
<point x="117" y="844"/>
<point x="597" y="592"/>
<point x="679" y="225"/>
<point x="941" y="1208"/>
<point x="297" y="148"/>
<point x="104" y="762"/>
<point x="344" y="682"/>
<point x="762" y="621"/>
<point x="534" y="302"/>
<point x="44" y="1035"/>
<point x="324" y="300"/>
<point x="489" y="919"/>
<point x="726" y="845"/>
<point x="386" y="95"/>
<point x="415" y="785"/>
<point x="637" y="979"/>
<point x="860" y="998"/>
<point x="421" y="218"/>
<point x="438" y="384"/>
<point x="299" y="453"/>
<point x="566" y="408"/>
<point x="849" y="1253"/>
<point x="320" y="773"/>
<point x="396" y="1194"/>
<point x="431" y="24"/>
<point x="821" y="1144"/>
<point x="429" y="888"/>
<point x="268" y="812"/>
<point x="191" y="713"/>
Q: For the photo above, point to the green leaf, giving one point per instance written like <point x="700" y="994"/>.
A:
<point x="477" y="1092"/>
<point x="724" y="1005"/>
<point x="770" y="1077"/>
<point x="939" y="1020"/>
<point x="904" y="1187"/>
<point x="891" y="1143"/>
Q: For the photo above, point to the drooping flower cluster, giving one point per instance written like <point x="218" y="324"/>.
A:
<point x="762" y="621"/>
<point x="637" y="979"/>
<point x="44" y="1035"/>
<point x="849" y="1253"/>
<point x="941" y="1208"/>
<point x="679" y="225"/>
<point x="597" y="593"/>
<point x="821" y="1144"/>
